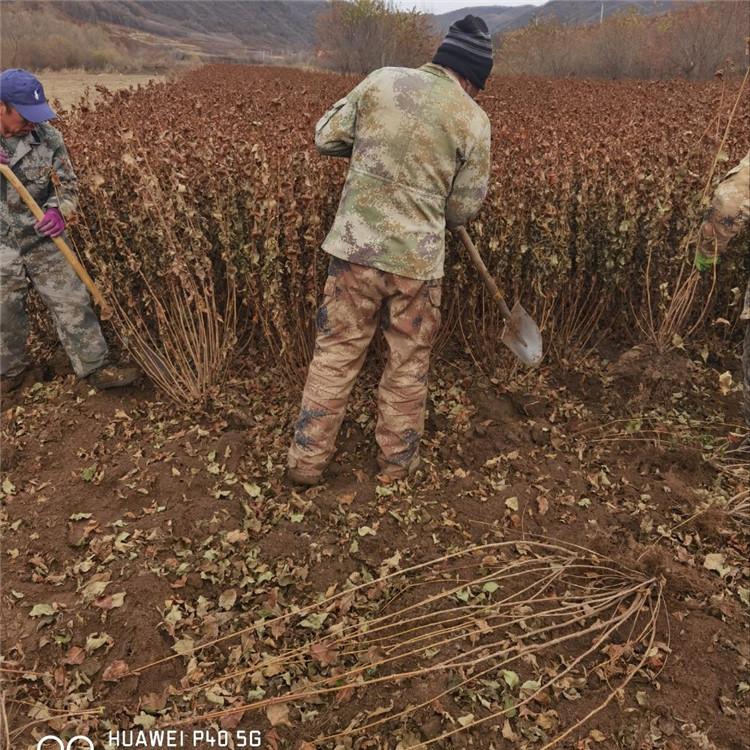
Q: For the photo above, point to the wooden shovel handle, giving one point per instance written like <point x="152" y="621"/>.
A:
<point x="489" y="282"/>
<point x="62" y="246"/>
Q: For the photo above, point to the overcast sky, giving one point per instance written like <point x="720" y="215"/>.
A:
<point x="443" y="6"/>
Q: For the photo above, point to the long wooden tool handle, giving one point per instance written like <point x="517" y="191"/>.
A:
<point x="489" y="282"/>
<point x="62" y="246"/>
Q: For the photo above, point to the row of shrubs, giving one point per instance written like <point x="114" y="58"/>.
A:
<point x="207" y="194"/>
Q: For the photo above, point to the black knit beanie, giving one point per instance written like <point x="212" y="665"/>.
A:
<point x="467" y="49"/>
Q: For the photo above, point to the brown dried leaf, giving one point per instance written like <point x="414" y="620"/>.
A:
<point x="278" y="714"/>
<point x="278" y="628"/>
<point x="344" y="695"/>
<point x="231" y="721"/>
<point x="115" y="671"/>
<point x="75" y="656"/>
<point x="233" y="537"/>
<point x="111" y="601"/>
<point x="323" y="653"/>
<point x="346" y="498"/>
<point x="153" y="702"/>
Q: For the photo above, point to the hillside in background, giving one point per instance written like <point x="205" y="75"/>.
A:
<point x="498" y="17"/>
<point x="280" y="24"/>
<point x="133" y="34"/>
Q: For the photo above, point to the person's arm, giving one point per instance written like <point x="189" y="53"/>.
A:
<point x="335" y="131"/>
<point x="470" y="183"/>
<point x="728" y="213"/>
<point x="64" y="193"/>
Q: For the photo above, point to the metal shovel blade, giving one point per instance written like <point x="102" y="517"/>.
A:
<point x="522" y="336"/>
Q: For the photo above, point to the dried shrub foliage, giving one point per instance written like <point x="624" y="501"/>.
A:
<point x="214" y="177"/>
<point x="174" y="289"/>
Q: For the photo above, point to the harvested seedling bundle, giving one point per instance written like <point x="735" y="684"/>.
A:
<point x="498" y="634"/>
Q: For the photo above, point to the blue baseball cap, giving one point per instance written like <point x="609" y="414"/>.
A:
<point x="24" y="92"/>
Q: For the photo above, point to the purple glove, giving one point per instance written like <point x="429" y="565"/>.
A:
<point x="4" y="158"/>
<point x="51" y="224"/>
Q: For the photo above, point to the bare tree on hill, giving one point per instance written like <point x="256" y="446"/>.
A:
<point x="360" y="36"/>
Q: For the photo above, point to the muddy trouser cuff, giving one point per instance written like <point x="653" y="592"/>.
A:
<point x="356" y="299"/>
<point x="401" y="416"/>
<point x="322" y="413"/>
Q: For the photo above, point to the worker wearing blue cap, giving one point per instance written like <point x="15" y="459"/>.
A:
<point x="35" y="151"/>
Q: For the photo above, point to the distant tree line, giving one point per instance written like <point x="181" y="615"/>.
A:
<point x="692" y="42"/>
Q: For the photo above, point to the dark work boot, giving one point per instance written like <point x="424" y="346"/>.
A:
<point x="306" y="480"/>
<point x="113" y="376"/>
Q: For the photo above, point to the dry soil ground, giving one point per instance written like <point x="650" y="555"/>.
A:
<point x="133" y="532"/>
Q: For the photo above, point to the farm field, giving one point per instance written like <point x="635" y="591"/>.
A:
<point x="584" y="526"/>
<point x="70" y="85"/>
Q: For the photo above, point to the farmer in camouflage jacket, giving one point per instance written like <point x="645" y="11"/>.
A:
<point x="728" y="214"/>
<point x="35" y="151"/>
<point x="420" y="160"/>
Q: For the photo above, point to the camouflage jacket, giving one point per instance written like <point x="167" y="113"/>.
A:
<point x="420" y="159"/>
<point x="40" y="160"/>
<point x="728" y="213"/>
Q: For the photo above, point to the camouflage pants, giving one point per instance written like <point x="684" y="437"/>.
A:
<point x="746" y="372"/>
<point x="355" y="300"/>
<point x="65" y="297"/>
